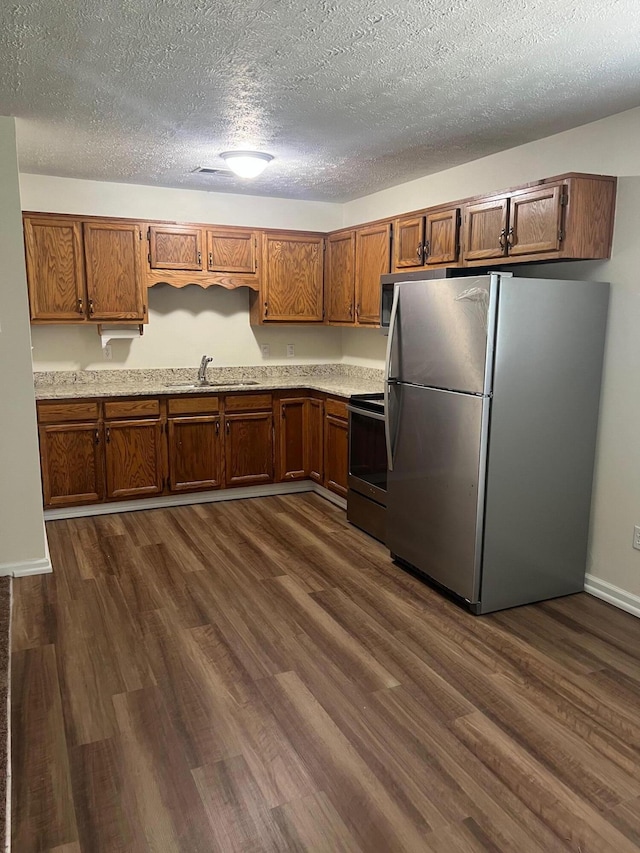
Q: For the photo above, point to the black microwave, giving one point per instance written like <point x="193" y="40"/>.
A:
<point x="388" y="282"/>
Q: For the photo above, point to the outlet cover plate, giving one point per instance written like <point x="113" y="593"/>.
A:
<point x="291" y="351"/>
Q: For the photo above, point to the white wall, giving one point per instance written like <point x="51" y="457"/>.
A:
<point x="609" y="146"/>
<point x="21" y="522"/>
<point x="183" y="324"/>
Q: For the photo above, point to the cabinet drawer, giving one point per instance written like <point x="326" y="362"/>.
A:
<point x="131" y="408"/>
<point x="247" y="402"/>
<point x="50" y="413"/>
<point x="192" y="405"/>
<point x="337" y="408"/>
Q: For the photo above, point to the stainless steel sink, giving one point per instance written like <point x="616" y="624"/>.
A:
<point x="211" y="384"/>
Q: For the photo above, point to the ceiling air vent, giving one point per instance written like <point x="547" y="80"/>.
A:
<point x="211" y="170"/>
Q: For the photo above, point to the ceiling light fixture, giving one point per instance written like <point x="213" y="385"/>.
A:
<point x="246" y="164"/>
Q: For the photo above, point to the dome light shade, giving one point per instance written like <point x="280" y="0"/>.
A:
<point x="246" y="164"/>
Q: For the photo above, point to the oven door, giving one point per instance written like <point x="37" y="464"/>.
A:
<point x="367" y="454"/>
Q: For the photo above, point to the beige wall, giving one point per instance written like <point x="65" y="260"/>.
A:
<point x="183" y="325"/>
<point x="21" y="526"/>
<point x="610" y="147"/>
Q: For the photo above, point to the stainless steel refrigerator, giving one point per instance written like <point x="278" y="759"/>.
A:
<point x="492" y="394"/>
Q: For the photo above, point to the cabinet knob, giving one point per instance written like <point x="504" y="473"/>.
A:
<point x="91" y="306"/>
<point x="80" y="305"/>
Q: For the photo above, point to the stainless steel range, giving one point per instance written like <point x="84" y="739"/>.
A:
<point x="367" y="480"/>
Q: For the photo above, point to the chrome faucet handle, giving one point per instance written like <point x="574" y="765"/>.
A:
<point x="202" y="370"/>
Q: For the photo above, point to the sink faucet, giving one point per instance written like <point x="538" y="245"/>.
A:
<point x="202" y="370"/>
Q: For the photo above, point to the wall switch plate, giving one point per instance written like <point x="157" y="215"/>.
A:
<point x="291" y="351"/>
<point x="636" y="537"/>
<point x="265" y="349"/>
<point x="106" y="352"/>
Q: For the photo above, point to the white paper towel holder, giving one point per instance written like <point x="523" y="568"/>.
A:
<point x="119" y="333"/>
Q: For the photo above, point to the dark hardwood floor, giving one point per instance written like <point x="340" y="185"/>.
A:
<point x="258" y="676"/>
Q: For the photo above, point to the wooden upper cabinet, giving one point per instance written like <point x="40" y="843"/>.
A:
<point x="71" y="463"/>
<point x="441" y="237"/>
<point x="232" y="251"/>
<point x="112" y="260"/>
<point x="195" y="453"/>
<point x="175" y="247"/>
<point x="133" y="456"/>
<point x="340" y="267"/>
<point x="55" y="269"/>
<point x="535" y="221"/>
<point x="292" y="277"/>
<point x="373" y="259"/>
<point x="408" y="242"/>
<point x="485" y="229"/>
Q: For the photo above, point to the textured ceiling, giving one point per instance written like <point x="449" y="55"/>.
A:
<point x="351" y="97"/>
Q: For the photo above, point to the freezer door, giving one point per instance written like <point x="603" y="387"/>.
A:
<point x="444" y="333"/>
<point x="436" y="488"/>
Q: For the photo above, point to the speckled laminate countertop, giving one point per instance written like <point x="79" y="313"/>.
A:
<point x="343" y="380"/>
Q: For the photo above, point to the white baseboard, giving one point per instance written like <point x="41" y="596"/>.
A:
<point x="295" y="487"/>
<point x="39" y="566"/>
<point x="613" y="594"/>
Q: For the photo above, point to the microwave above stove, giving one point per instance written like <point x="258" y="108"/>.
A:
<point x="387" y="283"/>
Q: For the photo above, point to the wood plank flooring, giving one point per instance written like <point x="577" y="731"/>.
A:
<point x="258" y="676"/>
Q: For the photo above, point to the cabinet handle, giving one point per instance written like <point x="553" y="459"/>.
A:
<point x="284" y="411"/>
<point x="91" y="306"/>
<point x="427" y="249"/>
<point x="350" y="312"/>
<point x="217" y="428"/>
<point x="266" y="309"/>
<point x="210" y="260"/>
<point x="199" y="258"/>
<point x="97" y="434"/>
<point x="510" y="237"/>
<point x="108" y="435"/>
<point x="502" y="239"/>
<point x="228" y="427"/>
<point x="419" y="251"/>
<point x="80" y="305"/>
<point x="358" y="311"/>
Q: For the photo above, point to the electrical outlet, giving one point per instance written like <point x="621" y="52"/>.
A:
<point x="265" y="349"/>
<point x="291" y="351"/>
<point x="636" y="537"/>
<point x="106" y="352"/>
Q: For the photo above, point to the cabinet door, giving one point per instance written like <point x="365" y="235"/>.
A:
<point x="195" y="457"/>
<point x="232" y="251"/>
<point x="373" y="258"/>
<point x="340" y="277"/>
<point x="534" y="222"/>
<point x="408" y="242"/>
<point x="175" y="247"/>
<point x="55" y="270"/>
<point x="316" y="439"/>
<point x="441" y="237"/>
<point x="336" y="453"/>
<point x="248" y="448"/>
<point x="485" y="230"/>
<point x="114" y="283"/>
<point x="291" y="434"/>
<point x="133" y="458"/>
<point x="292" y="278"/>
<point x="71" y="461"/>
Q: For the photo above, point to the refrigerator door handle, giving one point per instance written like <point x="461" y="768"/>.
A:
<point x="393" y="319"/>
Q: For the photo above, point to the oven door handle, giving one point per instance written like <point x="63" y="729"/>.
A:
<point x="387" y="375"/>
<point x="367" y="413"/>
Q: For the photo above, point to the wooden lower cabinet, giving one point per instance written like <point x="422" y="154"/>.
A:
<point x="336" y="453"/>
<point x="133" y="458"/>
<point x="110" y="450"/>
<point x="195" y="453"/>
<point x="292" y="451"/>
<point x="248" y="448"/>
<point x="316" y="439"/>
<point x="72" y="463"/>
